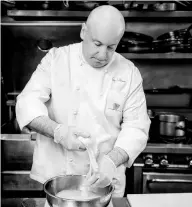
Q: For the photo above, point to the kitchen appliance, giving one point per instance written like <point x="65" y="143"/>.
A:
<point x="165" y="165"/>
<point x="74" y="182"/>
<point x="163" y="169"/>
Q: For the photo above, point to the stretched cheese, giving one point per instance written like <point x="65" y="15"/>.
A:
<point x="77" y="195"/>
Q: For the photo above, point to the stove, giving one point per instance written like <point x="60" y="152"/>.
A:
<point x="163" y="168"/>
<point x="165" y="165"/>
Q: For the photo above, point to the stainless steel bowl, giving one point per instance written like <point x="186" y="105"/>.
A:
<point x="74" y="182"/>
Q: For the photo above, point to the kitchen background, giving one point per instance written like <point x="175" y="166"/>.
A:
<point x="158" y="39"/>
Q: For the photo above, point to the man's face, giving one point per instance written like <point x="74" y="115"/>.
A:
<point x="98" y="46"/>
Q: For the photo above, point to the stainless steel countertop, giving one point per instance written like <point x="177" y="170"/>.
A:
<point x="16" y="202"/>
<point x="168" y="148"/>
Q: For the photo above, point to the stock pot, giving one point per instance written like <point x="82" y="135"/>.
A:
<point x="173" y="125"/>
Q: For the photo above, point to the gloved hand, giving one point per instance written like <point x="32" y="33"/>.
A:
<point x="67" y="137"/>
<point x="104" y="176"/>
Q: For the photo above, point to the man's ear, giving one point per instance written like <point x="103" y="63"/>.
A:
<point x="83" y="31"/>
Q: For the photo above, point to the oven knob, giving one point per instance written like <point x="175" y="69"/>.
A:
<point x="190" y="163"/>
<point x="148" y="160"/>
<point x="164" y="162"/>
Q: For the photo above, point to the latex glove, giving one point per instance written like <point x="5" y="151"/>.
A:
<point x="92" y="152"/>
<point x="104" y="176"/>
<point x="26" y="130"/>
<point x="67" y="137"/>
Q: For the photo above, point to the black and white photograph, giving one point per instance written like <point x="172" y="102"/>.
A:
<point x="96" y="103"/>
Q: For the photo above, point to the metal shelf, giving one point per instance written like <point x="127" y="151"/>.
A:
<point x="168" y="148"/>
<point x="126" y="14"/>
<point x="155" y="14"/>
<point x="157" y="55"/>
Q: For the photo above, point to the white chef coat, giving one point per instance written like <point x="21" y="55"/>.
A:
<point x="109" y="103"/>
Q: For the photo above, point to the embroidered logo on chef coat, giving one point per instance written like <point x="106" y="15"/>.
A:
<point x="116" y="106"/>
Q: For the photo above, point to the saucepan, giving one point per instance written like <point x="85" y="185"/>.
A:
<point x="172" y="124"/>
<point x="73" y="183"/>
<point x="170" y="127"/>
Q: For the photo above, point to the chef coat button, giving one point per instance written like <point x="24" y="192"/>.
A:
<point x="70" y="160"/>
<point x="75" y="112"/>
<point x="106" y="71"/>
<point x="77" y="88"/>
<point x="75" y="133"/>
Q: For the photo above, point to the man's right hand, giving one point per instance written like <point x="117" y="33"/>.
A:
<point x="68" y="138"/>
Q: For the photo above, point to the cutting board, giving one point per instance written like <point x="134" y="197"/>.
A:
<point x="160" y="200"/>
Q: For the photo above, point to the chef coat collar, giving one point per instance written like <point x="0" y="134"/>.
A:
<point x="84" y="62"/>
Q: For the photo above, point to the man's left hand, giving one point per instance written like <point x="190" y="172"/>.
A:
<point x="105" y="175"/>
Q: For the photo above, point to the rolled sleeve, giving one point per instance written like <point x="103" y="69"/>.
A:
<point x="31" y="101"/>
<point x="135" y="127"/>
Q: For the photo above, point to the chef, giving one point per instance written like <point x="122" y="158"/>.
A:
<point x="86" y="90"/>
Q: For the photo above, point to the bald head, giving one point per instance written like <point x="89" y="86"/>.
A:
<point x="108" y="20"/>
<point x="101" y="34"/>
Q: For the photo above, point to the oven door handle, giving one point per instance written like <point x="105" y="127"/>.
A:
<point x="157" y="180"/>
